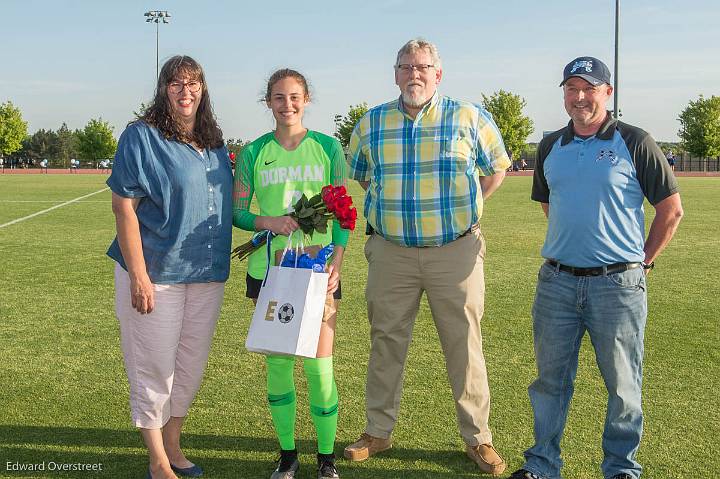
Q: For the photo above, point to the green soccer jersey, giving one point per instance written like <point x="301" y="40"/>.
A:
<point x="278" y="177"/>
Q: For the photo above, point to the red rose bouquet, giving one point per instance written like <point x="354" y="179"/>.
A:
<point x="339" y="205"/>
<point x="312" y="215"/>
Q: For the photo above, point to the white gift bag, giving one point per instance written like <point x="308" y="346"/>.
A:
<point x="289" y="312"/>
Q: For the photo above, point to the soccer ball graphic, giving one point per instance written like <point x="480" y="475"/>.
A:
<point x="285" y="313"/>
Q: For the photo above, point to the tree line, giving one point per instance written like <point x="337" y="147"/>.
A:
<point x="699" y="132"/>
<point x="92" y="143"/>
<point x="699" y="125"/>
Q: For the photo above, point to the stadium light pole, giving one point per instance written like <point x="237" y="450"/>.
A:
<point x="616" y="111"/>
<point x="155" y="16"/>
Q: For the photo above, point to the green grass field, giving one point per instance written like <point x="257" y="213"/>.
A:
<point x="63" y="390"/>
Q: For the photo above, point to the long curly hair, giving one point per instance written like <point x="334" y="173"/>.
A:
<point x="160" y="114"/>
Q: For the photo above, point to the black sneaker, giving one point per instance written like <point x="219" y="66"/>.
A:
<point x="288" y="465"/>
<point x="326" y="467"/>
<point x="523" y="474"/>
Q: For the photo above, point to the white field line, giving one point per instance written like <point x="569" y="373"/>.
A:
<point x="48" y="201"/>
<point x="52" y="208"/>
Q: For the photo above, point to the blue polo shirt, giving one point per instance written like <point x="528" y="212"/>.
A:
<point x="185" y="211"/>
<point x="595" y="188"/>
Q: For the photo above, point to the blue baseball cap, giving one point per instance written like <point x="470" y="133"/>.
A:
<point x="589" y="69"/>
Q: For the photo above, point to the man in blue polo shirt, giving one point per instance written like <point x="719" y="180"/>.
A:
<point x="591" y="178"/>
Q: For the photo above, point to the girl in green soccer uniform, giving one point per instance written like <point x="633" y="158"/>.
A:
<point x="278" y="168"/>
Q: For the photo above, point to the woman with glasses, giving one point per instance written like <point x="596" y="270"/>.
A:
<point x="171" y="195"/>
<point x="278" y="168"/>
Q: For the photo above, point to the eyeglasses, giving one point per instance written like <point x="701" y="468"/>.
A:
<point x="408" y="67"/>
<point x="177" y="87"/>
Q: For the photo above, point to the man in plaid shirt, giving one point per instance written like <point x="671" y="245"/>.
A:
<point x="427" y="163"/>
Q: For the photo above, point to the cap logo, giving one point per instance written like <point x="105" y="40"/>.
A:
<point x="586" y="64"/>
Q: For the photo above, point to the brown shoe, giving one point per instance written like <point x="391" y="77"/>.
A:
<point x="487" y="458"/>
<point x="366" y="446"/>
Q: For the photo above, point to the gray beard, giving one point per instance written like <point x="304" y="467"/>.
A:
<point x="409" y="101"/>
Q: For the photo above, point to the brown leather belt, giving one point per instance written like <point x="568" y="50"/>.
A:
<point x="599" y="271"/>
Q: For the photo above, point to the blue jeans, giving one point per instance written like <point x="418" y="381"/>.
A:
<point x="612" y="308"/>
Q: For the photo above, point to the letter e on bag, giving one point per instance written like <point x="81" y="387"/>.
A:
<point x="270" y="314"/>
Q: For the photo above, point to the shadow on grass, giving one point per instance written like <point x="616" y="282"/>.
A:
<point x="47" y="447"/>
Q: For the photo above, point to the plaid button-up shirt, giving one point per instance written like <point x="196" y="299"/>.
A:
<point x="424" y="172"/>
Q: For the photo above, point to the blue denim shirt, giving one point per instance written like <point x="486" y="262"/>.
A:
<point x="185" y="211"/>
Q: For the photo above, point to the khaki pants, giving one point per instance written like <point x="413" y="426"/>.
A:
<point x="166" y="351"/>
<point x="452" y="277"/>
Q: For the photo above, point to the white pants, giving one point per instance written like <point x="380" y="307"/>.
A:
<point x="166" y="351"/>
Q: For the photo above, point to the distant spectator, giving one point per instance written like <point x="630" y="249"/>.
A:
<point x="670" y="159"/>
<point x="44" y="165"/>
<point x="513" y="162"/>
<point x="104" y="166"/>
<point x="2" y="165"/>
<point x="74" y="164"/>
<point x="523" y="164"/>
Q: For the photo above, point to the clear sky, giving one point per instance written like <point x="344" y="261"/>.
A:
<point x="71" y="61"/>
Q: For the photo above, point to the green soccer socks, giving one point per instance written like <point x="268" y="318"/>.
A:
<point x="322" y="393"/>
<point x="281" y="398"/>
<point x="323" y="397"/>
